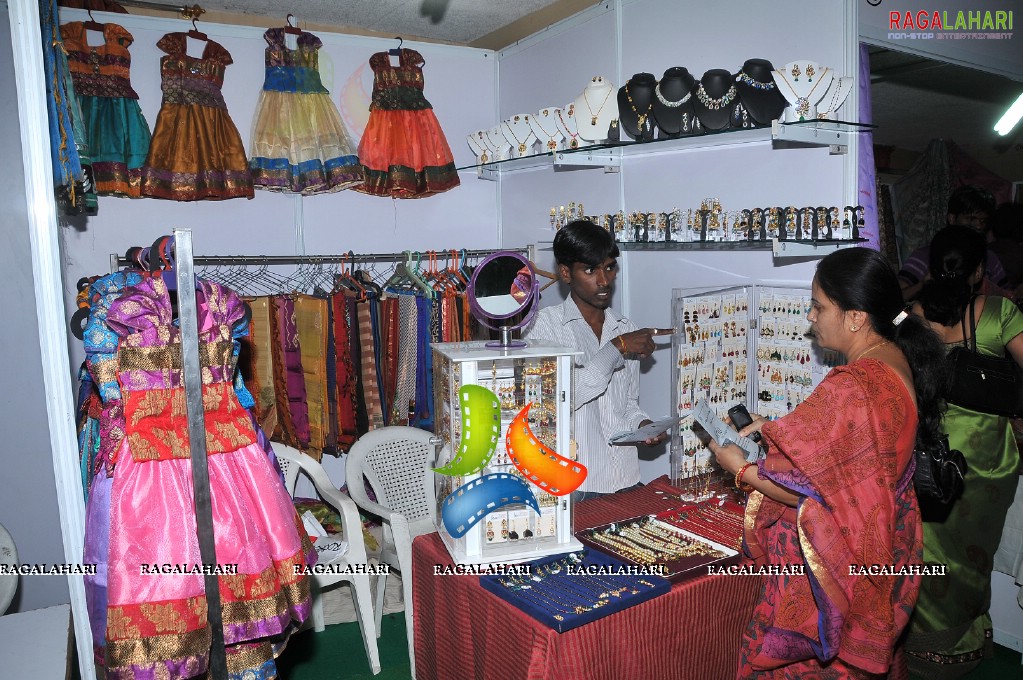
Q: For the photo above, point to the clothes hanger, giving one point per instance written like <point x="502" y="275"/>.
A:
<point x="404" y="279"/>
<point x="417" y="279"/>
<point x="351" y="281"/>
<point x="92" y="24"/>
<point x="396" y="51"/>
<point x="196" y="33"/>
<point x="291" y="28"/>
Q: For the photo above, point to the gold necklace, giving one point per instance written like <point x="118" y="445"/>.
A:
<point x="834" y="98"/>
<point x="802" y="104"/>
<point x="522" y="143"/>
<point x="483" y="144"/>
<point x="593" y="116"/>
<point x="551" y="144"/>
<point x="632" y="105"/>
<point x="571" y="112"/>
<point x="859" y="356"/>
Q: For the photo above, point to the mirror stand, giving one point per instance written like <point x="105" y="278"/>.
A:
<point x="506" y="341"/>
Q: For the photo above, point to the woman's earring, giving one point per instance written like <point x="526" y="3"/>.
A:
<point x="854" y="328"/>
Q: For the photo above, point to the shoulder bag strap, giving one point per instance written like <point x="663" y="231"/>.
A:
<point x="973" y="327"/>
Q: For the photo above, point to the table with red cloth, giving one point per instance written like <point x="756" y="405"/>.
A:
<point x="692" y="632"/>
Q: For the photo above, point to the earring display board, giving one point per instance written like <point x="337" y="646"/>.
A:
<point x="524" y="417"/>
<point x="745" y="345"/>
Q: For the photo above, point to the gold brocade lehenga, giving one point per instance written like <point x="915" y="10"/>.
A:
<point x="196" y="152"/>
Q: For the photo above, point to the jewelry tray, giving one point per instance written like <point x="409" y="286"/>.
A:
<point x="634" y="589"/>
<point x="700" y="513"/>
<point x="674" y="570"/>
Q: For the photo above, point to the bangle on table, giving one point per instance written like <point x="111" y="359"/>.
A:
<point x="739" y="484"/>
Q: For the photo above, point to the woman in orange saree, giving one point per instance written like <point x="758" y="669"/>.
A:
<point x="833" y="497"/>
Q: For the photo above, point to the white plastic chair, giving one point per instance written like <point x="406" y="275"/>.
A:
<point x="396" y="462"/>
<point x="293" y="462"/>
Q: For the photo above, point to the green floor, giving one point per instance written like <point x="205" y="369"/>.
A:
<point x="337" y="654"/>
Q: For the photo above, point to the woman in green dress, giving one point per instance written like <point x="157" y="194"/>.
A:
<point x="950" y="631"/>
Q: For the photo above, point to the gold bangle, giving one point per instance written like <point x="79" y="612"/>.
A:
<point x="739" y="484"/>
<point x="620" y="344"/>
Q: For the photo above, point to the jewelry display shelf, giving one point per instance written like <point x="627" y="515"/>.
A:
<point x="597" y="586"/>
<point x="780" y="249"/>
<point x="674" y="570"/>
<point x="837" y="135"/>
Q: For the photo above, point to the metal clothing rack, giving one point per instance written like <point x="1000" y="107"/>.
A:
<point x="186" y="12"/>
<point x="119" y="261"/>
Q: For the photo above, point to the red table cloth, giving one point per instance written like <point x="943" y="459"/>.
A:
<point x="691" y="633"/>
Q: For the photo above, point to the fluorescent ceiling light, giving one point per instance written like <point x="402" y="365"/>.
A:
<point x="1010" y="118"/>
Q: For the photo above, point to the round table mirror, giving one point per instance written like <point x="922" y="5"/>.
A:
<point x="503" y="294"/>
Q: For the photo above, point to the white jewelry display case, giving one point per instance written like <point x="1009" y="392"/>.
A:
<point x="537" y="376"/>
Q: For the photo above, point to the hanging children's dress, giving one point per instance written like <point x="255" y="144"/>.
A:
<point x="116" y="132"/>
<point x="298" y="141"/>
<point x="196" y="152"/>
<point x="157" y="623"/>
<point x="403" y="148"/>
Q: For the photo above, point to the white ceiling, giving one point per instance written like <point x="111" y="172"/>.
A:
<point x="461" y="22"/>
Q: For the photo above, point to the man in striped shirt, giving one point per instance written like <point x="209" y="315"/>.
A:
<point x="605" y="394"/>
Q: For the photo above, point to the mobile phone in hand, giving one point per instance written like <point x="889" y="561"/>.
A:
<point x="741" y="418"/>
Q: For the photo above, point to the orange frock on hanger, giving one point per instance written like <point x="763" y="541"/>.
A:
<point x="403" y="148"/>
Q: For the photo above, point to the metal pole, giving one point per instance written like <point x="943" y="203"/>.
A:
<point x="192" y="378"/>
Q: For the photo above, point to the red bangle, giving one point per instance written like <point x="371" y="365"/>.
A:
<point x="739" y="484"/>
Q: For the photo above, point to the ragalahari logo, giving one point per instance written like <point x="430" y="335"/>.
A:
<point x="950" y="25"/>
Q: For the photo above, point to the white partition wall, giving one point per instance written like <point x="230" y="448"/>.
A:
<point x="619" y="39"/>
<point x="460" y="84"/>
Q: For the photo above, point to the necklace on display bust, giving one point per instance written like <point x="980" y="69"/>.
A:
<point x="568" y="129"/>
<point x="520" y="142"/>
<point x="642" y="116"/>
<point x="496" y="141"/>
<point x="715" y="104"/>
<point x="753" y="82"/>
<point x="838" y="95"/>
<point x="552" y="144"/>
<point x="668" y="103"/>
<point x="479" y="146"/>
<point x="802" y="104"/>
<point x="586" y="100"/>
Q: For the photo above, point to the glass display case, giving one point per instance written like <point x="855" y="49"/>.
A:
<point x="522" y="417"/>
<point x="746" y="345"/>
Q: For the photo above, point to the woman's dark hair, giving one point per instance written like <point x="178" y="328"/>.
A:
<point x="861" y="279"/>
<point x="956" y="252"/>
<point x="971" y="199"/>
<point x="583" y="241"/>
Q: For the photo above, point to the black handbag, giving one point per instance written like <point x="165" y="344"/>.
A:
<point x="940" y="473"/>
<point x="983" y="383"/>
